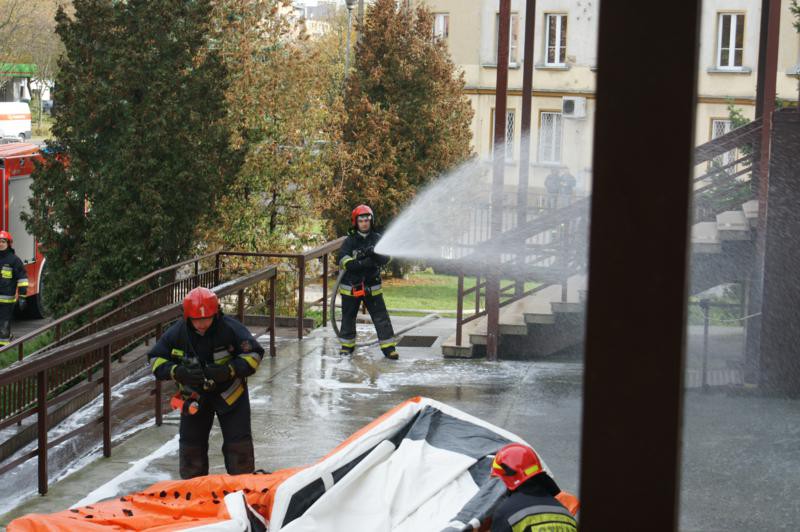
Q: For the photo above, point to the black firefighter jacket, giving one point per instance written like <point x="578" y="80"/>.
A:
<point x="359" y="268"/>
<point x="12" y="275"/>
<point x="226" y="342"/>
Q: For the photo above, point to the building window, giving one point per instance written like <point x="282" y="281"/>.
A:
<point x="441" y="25"/>
<point x="556" y="39"/>
<point x="720" y="127"/>
<point x="549" y="137"/>
<point x="510" y="124"/>
<point x="513" y="42"/>
<point x="730" y="41"/>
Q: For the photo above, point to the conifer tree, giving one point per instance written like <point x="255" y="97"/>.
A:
<point x="140" y="151"/>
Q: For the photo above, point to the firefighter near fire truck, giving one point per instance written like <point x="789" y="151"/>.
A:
<point x="209" y="356"/>
<point x="360" y="282"/>
<point x="13" y="279"/>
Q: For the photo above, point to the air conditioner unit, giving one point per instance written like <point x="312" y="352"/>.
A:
<point x="573" y="107"/>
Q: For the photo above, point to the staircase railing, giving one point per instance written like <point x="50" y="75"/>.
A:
<point x="548" y="249"/>
<point x="551" y="246"/>
<point x="728" y="178"/>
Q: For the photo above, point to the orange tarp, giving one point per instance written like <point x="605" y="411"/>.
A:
<point x="168" y="505"/>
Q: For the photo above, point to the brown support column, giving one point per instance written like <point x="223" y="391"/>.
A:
<point x="634" y="359"/>
<point x="41" y="429"/>
<point x="780" y="362"/>
<point x="325" y="290"/>
<point x="272" y="331"/>
<point x="158" y="408"/>
<point x="301" y="294"/>
<point x="525" y="146"/>
<point x="765" y="105"/>
<point x="498" y="178"/>
<point x="107" y="401"/>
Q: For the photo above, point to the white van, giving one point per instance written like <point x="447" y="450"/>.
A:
<point x="15" y="120"/>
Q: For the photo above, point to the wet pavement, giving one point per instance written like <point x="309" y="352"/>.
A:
<point x="741" y="455"/>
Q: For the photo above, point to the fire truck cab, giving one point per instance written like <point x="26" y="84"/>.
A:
<point x="16" y="167"/>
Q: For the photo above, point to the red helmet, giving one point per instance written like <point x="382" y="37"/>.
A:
<point x="360" y="211"/>
<point x="5" y="235"/>
<point x="200" y="303"/>
<point x="514" y="464"/>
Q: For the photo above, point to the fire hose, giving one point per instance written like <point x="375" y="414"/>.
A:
<point x="422" y="321"/>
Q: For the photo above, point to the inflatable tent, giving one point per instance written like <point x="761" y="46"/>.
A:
<point x="422" y="466"/>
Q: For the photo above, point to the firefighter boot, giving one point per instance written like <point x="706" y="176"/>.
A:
<point x="239" y="457"/>
<point x="390" y="351"/>
<point x="193" y="460"/>
<point x="347" y="346"/>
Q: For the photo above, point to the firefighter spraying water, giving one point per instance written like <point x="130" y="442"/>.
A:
<point x="360" y="281"/>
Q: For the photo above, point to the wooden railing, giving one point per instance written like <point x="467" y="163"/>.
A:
<point x="64" y="369"/>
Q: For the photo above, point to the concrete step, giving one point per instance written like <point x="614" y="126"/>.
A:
<point x="536" y="309"/>
<point x="733" y="225"/>
<point x="750" y="210"/>
<point x="451" y="349"/>
<point x="705" y="238"/>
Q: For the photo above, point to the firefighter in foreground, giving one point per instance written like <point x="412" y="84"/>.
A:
<point x="13" y="279"/>
<point x="362" y="282"/>
<point x="532" y="505"/>
<point x="209" y="356"/>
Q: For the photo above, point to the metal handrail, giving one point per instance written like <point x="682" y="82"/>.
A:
<point x="152" y="321"/>
<point x="301" y="260"/>
<point x="89" y="307"/>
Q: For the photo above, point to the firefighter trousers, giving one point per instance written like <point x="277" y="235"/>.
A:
<point x="6" y="314"/>
<point x="237" y="446"/>
<point x="377" y="311"/>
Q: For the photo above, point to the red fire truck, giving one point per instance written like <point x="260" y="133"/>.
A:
<point x="16" y="167"/>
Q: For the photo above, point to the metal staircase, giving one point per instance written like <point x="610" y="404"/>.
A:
<point x="549" y="318"/>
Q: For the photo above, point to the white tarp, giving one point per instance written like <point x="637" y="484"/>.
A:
<point x="424" y="468"/>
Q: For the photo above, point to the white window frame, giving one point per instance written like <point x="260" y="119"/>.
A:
<point x="441" y="25"/>
<point x="726" y="126"/>
<point x="559" y="50"/>
<point x="555" y="152"/>
<point x="731" y="44"/>
<point x="513" y="38"/>
<point x="511" y="126"/>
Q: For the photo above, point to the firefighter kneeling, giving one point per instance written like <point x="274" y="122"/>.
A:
<point x="535" y="503"/>
<point x="362" y="282"/>
<point x="210" y="357"/>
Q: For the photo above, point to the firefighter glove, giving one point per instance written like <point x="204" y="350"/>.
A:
<point x="366" y="263"/>
<point x="220" y="373"/>
<point x="22" y="303"/>
<point x="190" y="376"/>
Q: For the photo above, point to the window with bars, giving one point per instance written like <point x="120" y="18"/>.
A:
<point x="549" y="137"/>
<point x="730" y="40"/>
<point x="720" y="127"/>
<point x="555" y="39"/>
<point x="513" y="42"/>
<point x="509" y="143"/>
<point x="441" y="25"/>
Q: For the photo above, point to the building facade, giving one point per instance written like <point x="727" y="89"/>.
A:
<point x="565" y="64"/>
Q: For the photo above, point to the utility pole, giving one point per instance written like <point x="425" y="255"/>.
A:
<point x="350" y="5"/>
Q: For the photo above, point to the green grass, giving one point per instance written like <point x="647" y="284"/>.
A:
<point x="9" y="357"/>
<point x="430" y="291"/>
